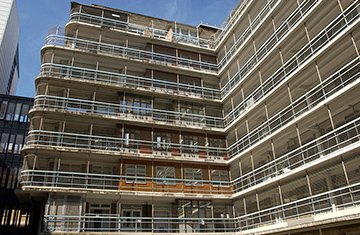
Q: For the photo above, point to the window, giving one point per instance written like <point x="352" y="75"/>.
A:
<point x="137" y="105"/>
<point x="193" y="174"/>
<point x="18" y="144"/>
<point x="219" y="176"/>
<point x="11" y="143"/>
<point x="3" y="109"/>
<point x="131" y="137"/>
<point x="192" y="142"/>
<point x="137" y="171"/>
<point x="165" y="172"/>
<point x="163" y="141"/>
<point x="215" y="146"/>
<point x="10" y="112"/>
<point x="17" y="112"/>
<point x="24" y="113"/>
<point x="4" y="142"/>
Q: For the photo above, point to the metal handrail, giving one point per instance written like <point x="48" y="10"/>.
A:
<point x="305" y="54"/>
<point x="132" y="112"/>
<point x="305" y="103"/>
<point x="246" y="34"/>
<point x="139" y="29"/>
<point x="295" y="17"/>
<point x="234" y="18"/>
<point x="321" y="147"/>
<point x="80" y="180"/>
<point x="124" y="145"/>
<point x="326" y="202"/>
<point x="127" y="80"/>
<point x="127" y="52"/>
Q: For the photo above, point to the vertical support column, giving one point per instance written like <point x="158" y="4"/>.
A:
<point x="257" y="203"/>
<point x="182" y="176"/>
<point x="180" y="143"/>
<point x="87" y="172"/>
<point x="209" y="178"/>
<point x="354" y="43"/>
<point x="228" y="75"/>
<point x="299" y="140"/>
<point x="245" y="210"/>
<point x="282" y="202"/>
<point x="121" y="173"/>
<point x="309" y="188"/>
<point x="347" y="178"/>
<point x="274" y="155"/>
<point x="152" y="214"/>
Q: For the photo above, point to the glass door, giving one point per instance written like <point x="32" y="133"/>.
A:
<point x="132" y="220"/>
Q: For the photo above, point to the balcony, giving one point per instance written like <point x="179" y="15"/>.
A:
<point x="329" y="88"/>
<point x="140" y="30"/>
<point x="336" y="141"/>
<point x="48" y="180"/>
<point x="260" y="18"/>
<point x="124" y="146"/>
<point x="126" y="112"/>
<point x="128" y="53"/>
<point x="345" y="199"/>
<point x="323" y="40"/>
<point x="129" y="81"/>
<point x="281" y="32"/>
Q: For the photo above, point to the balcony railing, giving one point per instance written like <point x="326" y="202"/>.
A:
<point x="232" y="20"/>
<point x="327" y="202"/>
<point x="328" y="87"/>
<point x="262" y="15"/>
<point x="117" y="223"/>
<point x="126" y="52"/>
<point x="129" y="81"/>
<point x="90" y="181"/>
<point x="340" y="24"/>
<point x="140" y="29"/>
<point x="126" y="111"/>
<point x="321" y="147"/>
<point x="343" y="198"/>
<point x="124" y="146"/>
<point x="269" y="44"/>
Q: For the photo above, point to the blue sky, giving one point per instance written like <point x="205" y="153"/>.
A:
<point x="38" y="16"/>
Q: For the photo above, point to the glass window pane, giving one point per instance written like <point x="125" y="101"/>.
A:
<point x="10" y="112"/>
<point x="3" y="109"/>
<point x="17" y="112"/>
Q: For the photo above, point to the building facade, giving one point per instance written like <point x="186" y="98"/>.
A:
<point x="145" y="125"/>
<point x="9" y="47"/>
<point x="18" y="212"/>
